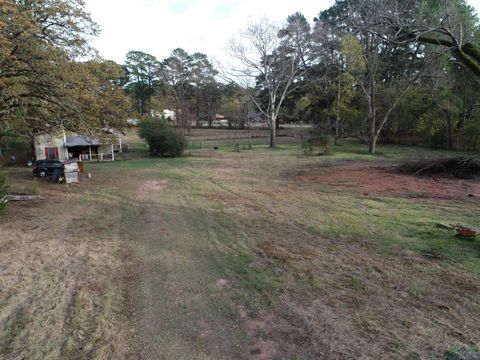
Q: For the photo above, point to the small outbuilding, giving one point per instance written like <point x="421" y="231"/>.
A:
<point x="60" y="145"/>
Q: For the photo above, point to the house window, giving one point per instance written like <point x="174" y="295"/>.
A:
<point x="51" y="153"/>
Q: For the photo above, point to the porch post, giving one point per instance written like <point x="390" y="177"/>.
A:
<point x="113" y="153"/>
<point x="90" y="152"/>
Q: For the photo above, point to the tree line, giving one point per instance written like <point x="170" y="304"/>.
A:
<point x="43" y="84"/>
<point x="379" y="70"/>
<point x="393" y="71"/>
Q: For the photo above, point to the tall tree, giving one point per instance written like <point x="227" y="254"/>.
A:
<point x="176" y="72"/>
<point x="142" y="73"/>
<point x="205" y="87"/>
<point x="383" y="62"/>
<point x="42" y="84"/>
<point x="452" y="24"/>
<point x="272" y="64"/>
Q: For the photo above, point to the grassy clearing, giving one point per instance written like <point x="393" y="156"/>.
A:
<point x="228" y="255"/>
<point x="60" y="289"/>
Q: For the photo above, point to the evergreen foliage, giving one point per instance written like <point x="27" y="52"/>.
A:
<point x="162" y="139"/>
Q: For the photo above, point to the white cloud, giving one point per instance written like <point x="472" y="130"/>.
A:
<point x="159" y="26"/>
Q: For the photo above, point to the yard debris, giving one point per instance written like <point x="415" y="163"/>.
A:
<point x="462" y="231"/>
<point x="466" y="232"/>
<point x="15" y="197"/>
<point x="459" y="167"/>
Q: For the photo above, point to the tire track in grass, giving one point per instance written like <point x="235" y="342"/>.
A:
<point x="180" y="312"/>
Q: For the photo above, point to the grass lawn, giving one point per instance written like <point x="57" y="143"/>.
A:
<point x="261" y="254"/>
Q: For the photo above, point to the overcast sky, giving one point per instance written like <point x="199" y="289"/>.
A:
<point x="159" y="26"/>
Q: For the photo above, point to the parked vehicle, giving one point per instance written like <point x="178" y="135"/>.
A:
<point x="44" y="168"/>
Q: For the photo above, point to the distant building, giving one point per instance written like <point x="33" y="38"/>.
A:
<point x="133" y="122"/>
<point x="255" y="117"/>
<point x="168" y="114"/>
<point x="63" y="146"/>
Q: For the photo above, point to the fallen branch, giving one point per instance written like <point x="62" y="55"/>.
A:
<point x="465" y="232"/>
<point x="24" y="198"/>
<point x="460" y="167"/>
<point x="461" y="230"/>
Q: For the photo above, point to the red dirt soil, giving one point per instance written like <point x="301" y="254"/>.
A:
<point x="375" y="180"/>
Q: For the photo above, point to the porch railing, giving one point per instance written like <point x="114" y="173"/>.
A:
<point x="96" y="157"/>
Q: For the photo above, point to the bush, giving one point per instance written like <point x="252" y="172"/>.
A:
<point x="325" y="141"/>
<point x="162" y="139"/>
<point x="3" y="192"/>
<point x="318" y="139"/>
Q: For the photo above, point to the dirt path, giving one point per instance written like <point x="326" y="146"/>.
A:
<point x="231" y="269"/>
<point x="182" y="311"/>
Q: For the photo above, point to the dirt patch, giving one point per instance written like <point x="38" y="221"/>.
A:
<point x="379" y="180"/>
<point x="257" y="327"/>
<point x="204" y="330"/>
<point x="221" y="283"/>
<point x="145" y="190"/>
<point x="153" y="185"/>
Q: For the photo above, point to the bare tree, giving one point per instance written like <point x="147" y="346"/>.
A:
<point x="451" y="24"/>
<point x="372" y="60"/>
<point x="267" y="62"/>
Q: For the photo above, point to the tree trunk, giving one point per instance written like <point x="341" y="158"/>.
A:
<point x="273" y="129"/>
<point x="197" y="105"/>
<point x="337" y="120"/>
<point x="372" y="144"/>
<point x="449" y="130"/>
<point x="372" y="133"/>
<point x="272" y="136"/>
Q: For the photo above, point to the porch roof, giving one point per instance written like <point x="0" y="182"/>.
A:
<point x="79" y="140"/>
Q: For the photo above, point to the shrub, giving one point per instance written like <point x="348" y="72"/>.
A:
<point x="161" y="138"/>
<point x="3" y="192"/>
<point x="325" y="141"/>
<point x="317" y="139"/>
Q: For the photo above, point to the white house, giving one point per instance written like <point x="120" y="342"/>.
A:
<point x="61" y="145"/>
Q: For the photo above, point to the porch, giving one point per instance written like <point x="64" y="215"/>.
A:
<point x="87" y="149"/>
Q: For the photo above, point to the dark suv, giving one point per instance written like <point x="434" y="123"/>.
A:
<point x="43" y="168"/>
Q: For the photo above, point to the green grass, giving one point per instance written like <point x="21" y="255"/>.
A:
<point x="406" y="223"/>
<point x="13" y="328"/>
<point x="281" y="245"/>
<point x="256" y="285"/>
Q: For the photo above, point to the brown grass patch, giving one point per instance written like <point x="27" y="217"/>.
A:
<point x="348" y="300"/>
<point x="60" y="296"/>
<point x="378" y="180"/>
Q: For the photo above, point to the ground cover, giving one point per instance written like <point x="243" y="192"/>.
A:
<point x="260" y="254"/>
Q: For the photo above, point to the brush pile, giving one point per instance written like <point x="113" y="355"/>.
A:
<point x="459" y="167"/>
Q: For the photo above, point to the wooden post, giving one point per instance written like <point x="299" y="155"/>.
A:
<point x="113" y="153"/>
<point x="90" y="152"/>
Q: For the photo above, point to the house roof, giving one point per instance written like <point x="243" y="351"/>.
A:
<point x="254" y="114"/>
<point x="111" y="130"/>
<point x="79" y="140"/>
